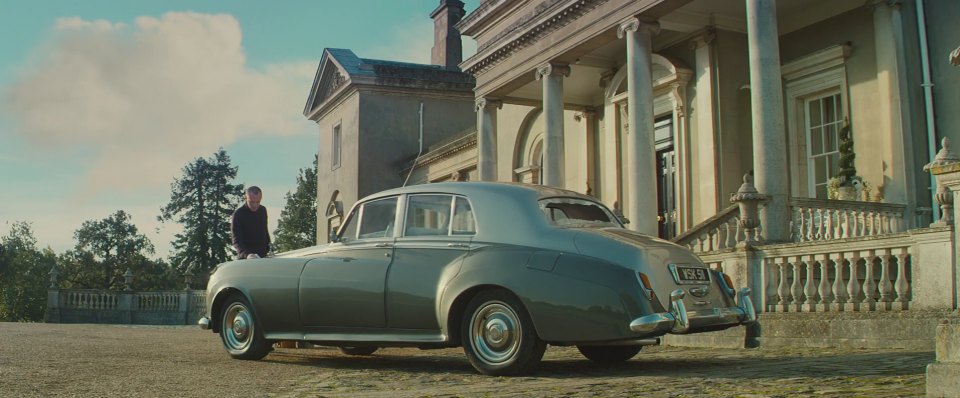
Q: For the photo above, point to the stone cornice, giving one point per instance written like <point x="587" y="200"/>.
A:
<point x="444" y="151"/>
<point x="545" y="18"/>
<point x="483" y="11"/>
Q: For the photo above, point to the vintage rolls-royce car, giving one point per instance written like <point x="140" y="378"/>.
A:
<point x="500" y="269"/>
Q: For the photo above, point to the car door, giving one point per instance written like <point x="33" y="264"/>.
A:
<point x="344" y="287"/>
<point x="436" y="236"/>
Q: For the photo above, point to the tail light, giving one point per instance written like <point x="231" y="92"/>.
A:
<point x="728" y="282"/>
<point x="647" y="287"/>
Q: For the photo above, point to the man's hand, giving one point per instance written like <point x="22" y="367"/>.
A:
<point x="252" y="256"/>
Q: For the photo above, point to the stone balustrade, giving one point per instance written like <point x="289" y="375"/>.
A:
<point x="824" y="220"/>
<point x="124" y="307"/>
<point x="875" y="279"/>
<point x="720" y="232"/>
<point x="813" y="220"/>
<point x="90" y="299"/>
<point x="896" y="272"/>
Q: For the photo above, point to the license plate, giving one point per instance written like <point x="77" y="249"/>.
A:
<point x="693" y="275"/>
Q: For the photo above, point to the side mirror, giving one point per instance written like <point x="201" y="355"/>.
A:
<point x="624" y="220"/>
<point x="333" y="237"/>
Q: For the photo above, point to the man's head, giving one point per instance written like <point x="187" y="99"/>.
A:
<point x="253" y="196"/>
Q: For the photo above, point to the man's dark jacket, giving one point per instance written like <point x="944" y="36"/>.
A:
<point x="249" y="231"/>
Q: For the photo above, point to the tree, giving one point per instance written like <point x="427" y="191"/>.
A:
<point x="24" y="272"/>
<point x="104" y="251"/>
<point x="202" y="201"/>
<point x="847" y="169"/>
<point x="297" y="227"/>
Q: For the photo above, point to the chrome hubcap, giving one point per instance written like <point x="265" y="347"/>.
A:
<point x="495" y="333"/>
<point x="238" y="327"/>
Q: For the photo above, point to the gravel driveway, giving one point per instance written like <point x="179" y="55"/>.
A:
<point x="111" y="360"/>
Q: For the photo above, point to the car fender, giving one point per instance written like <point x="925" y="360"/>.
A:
<point x="566" y="303"/>
<point x="269" y="284"/>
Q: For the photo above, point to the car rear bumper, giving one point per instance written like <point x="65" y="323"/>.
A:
<point x="678" y="321"/>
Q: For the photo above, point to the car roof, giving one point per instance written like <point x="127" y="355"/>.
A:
<point x="472" y="187"/>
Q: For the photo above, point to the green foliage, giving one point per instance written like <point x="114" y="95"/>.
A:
<point x="202" y="201"/>
<point x="104" y="251"/>
<point x="24" y="275"/>
<point x="847" y="170"/>
<point x="297" y="227"/>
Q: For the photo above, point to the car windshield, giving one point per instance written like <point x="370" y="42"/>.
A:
<point x="571" y="212"/>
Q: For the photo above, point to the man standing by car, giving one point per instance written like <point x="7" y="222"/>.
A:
<point x="248" y="226"/>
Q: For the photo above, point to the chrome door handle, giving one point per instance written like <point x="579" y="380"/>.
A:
<point x="457" y="245"/>
<point x="384" y="245"/>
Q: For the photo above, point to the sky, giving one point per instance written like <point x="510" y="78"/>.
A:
<point x="102" y="103"/>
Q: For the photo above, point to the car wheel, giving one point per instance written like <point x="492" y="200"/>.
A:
<point x="358" y="350"/>
<point x="239" y="330"/>
<point x="609" y="353"/>
<point x="498" y="336"/>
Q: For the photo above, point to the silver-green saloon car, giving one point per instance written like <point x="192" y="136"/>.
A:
<point x="500" y="269"/>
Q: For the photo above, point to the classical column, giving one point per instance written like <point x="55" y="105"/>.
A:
<point x="641" y="164"/>
<point x="766" y="97"/>
<point x="894" y="128"/>
<point x="552" y="76"/>
<point x="487" y="138"/>
<point x="708" y="155"/>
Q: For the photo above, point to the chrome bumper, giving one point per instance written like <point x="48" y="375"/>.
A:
<point x="204" y="323"/>
<point x="677" y="320"/>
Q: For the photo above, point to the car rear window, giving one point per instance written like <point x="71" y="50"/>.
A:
<point x="577" y="212"/>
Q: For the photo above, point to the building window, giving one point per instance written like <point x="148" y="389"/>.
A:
<point x="335" y="148"/>
<point x="823" y="120"/>
<point x="816" y="104"/>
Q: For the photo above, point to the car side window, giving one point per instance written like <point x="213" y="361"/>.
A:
<point x="376" y="218"/>
<point x="428" y="215"/>
<point x="464" y="222"/>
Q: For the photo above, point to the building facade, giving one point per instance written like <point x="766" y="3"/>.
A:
<point x="685" y="116"/>
<point x="659" y="108"/>
<point x="373" y="116"/>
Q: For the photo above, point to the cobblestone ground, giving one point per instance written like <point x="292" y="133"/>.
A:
<point x="109" y="360"/>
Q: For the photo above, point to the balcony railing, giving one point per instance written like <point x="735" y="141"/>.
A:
<point x="811" y="220"/>
<point x="824" y="220"/>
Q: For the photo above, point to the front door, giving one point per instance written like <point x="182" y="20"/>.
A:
<point x="666" y="177"/>
<point x="344" y="287"/>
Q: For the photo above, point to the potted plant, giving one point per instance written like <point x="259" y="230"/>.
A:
<point x="846" y="184"/>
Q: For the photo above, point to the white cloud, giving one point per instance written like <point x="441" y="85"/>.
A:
<point x="409" y="42"/>
<point x="149" y="97"/>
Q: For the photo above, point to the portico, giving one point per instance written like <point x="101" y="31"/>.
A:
<point x="621" y="94"/>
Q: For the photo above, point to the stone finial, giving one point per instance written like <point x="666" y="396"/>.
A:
<point x="187" y="279"/>
<point x="944" y="157"/>
<point x="54" y="277"/>
<point x="748" y="199"/>
<point x="747" y="191"/>
<point x="128" y="280"/>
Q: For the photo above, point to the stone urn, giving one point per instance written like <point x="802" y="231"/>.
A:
<point x="847" y="193"/>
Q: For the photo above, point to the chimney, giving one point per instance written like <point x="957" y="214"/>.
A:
<point x="447" y="48"/>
